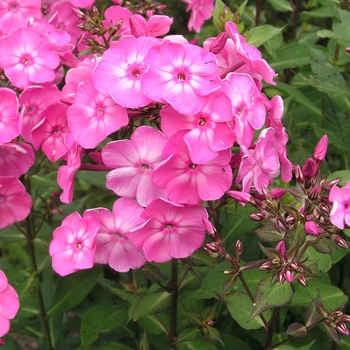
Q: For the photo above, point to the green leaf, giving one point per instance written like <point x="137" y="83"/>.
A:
<point x="281" y="5"/>
<point x="144" y="344"/>
<point x="240" y="307"/>
<point x="291" y="56"/>
<point x="104" y="345"/>
<point x="221" y="15"/>
<point x="72" y="289"/>
<point x="321" y="12"/>
<point x="268" y="296"/>
<point x="297" y="330"/>
<point x="344" y="175"/>
<point x="188" y="334"/>
<point x="100" y="318"/>
<point x="152" y="273"/>
<point x="151" y="304"/>
<point x="259" y="35"/>
<point x="299" y="97"/>
<point x="199" y="258"/>
<point x="96" y="178"/>
<point x="268" y="234"/>
<point x="153" y="324"/>
<point x="197" y="344"/>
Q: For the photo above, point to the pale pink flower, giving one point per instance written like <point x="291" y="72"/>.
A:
<point x="133" y="162"/>
<point x="33" y="100"/>
<point x="66" y="173"/>
<point x="27" y="58"/>
<point x="114" y="14"/>
<point x="94" y="115"/>
<point x="15" y="202"/>
<point x="187" y="182"/>
<point x="201" y="11"/>
<point x="10" y="121"/>
<point x="113" y="246"/>
<point x="208" y="131"/>
<point x="247" y="106"/>
<point x="85" y="4"/>
<point x="171" y="231"/>
<point x="156" y="25"/>
<point x="259" y="166"/>
<point x="340" y="197"/>
<point x="52" y="131"/>
<point x="120" y="72"/>
<point x="9" y="304"/>
<point x="73" y="245"/>
<point x="15" y="158"/>
<point x="181" y="75"/>
<point x="14" y="13"/>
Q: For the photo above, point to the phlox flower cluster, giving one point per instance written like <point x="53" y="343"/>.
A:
<point x="173" y="123"/>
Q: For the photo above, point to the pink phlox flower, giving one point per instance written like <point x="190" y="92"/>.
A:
<point x="171" y="231"/>
<point x="66" y="173"/>
<point x="10" y="121"/>
<point x="73" y="245"/>
<point x="181" y="75"/>
<point x="113" y="246"/>
<point x="321" y="149"/>
<point x="120" y="72"/>
<point x="15" y="202"/>
<point x="33" y="100"/>
<point x="84" y="4"/>
<point x="156" y="25"/>
<point x="14" y="13"/>
<point x="52" y="131"/>
<point x="63" y="18"/>
<point x="201" y="11"/>
<point x="208" y="132"/>
<point x="176" y="38"/>
<point x="250" y="54"/>
<point x="9" y="304"/>
<point x="247" y="106"/>
<point x="281" y="248"/>
<point x="76" y="76"/>
<point x="274" y="117"/>
<point x="340" y="197"/>
<point x="259" y="166"/>
<point x="93" y="115"/>
<point x="133" y="162"/>
<point x="114" y="14"/>
<point x="15" y="158"/>
<point x="27" y="58"/>
<point x="187" y="182"/>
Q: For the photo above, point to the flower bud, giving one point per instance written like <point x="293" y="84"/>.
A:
<point x="210" y="228"/>
<point x="135" y="27"/>
<point x="277" y="193"/>
<point x="321" y="149"/>
<point x="341" y="327"/>
<point x="299" y="174"/>
<point x="242" y="197"/>
<point x="301" y="279"/>
<point x="266" y="266"/>
<point x="281" y="277"/>
<point x="294" y="265"/>
<point x="310" y="167"/>
<point x="348" y="49"/>
<point x="210" y="323"/>
<point x="289" y="276"/>
<point x="2" y="342"/>
<point x="218" y="43"/>
<point x="345" y="318"/>
<point x="257" y="216"/>
<point x="312" y="228"/>
<point x="339" y="241"/>
<point x="239" y="246"/>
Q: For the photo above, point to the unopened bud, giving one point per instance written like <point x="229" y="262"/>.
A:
<point x="310" y="167"/>
<point x="95" y="11"/>
<point x="210" y="323"/>
<point x="294" y="265"/>
<point x="209" y="227"/>
<point x="299" y="173"/>
<point x="281" y="277"/>
<point x="315" y="191"/>
<point x="218" y="43"/>
<point x="242" y="197"/>
<point x="135" y="27"/>
<point x="341" y="327"/>
<point x="312" y="228"/>
<point x="161" y="7"/>
<point x="325" y="208"/>
<point x="239" y="246"/>
<point x="54" y="194"/>
<point x="257" y="216"/>
<point x="228" y="272"/>
<point x="339" y="241"/>
<point x="2" y="342"/>
<point x="149" y="13"/>
<point x="266" y="266"/>
<point x="289" y="276"/>
<point x="333" y="183"/>
<point x="345" y="318"/>
<point x="301" y="279"/>
<point x="337" y="313"/>
<point x="277" y="193"/>
<point x="348" y="49"/>
<point x="79" y="14"/>
<point x="321" y="149"/>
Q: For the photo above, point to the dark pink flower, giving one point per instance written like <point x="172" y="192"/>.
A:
<point x="15" y="158"/>
<point x="27" y="58"/>
<point x="187" y="182"/>
<point x="8" y="304"/>
<point x="340" y="197"/>
<point x="181" y="75"/>
<point x="113" y="245"/>
<point x="73" y="245"/>
<point x="15" y="202"/>
<point x="10" y="121"/>
<point x="171" y="231"/>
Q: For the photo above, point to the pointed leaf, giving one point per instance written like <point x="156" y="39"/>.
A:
<point x="296" y="330"/>
<point x="259" y="35"/>
<point x="100" y="318"/>
<point x="268" y="296"/>
<point x="153" y="273"/>
<point x="312" y="315"/>
<point x="151" y="304"/>
<point x="72" y="289"/>
<point x="269" y="234"/>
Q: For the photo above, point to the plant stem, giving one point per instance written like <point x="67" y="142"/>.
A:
<point x="258" y="12"/>
<point x="246" y="287"/>
<point x="172" y="336"/>
<point x="30" y="236"/>
<point x="271" y="328"/>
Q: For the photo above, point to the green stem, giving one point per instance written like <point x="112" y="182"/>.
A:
<point x="258" y="12"/>
<point x="30" y="236"/>
<point x="172" y="335"/>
